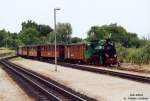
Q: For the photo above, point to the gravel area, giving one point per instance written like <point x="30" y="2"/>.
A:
<point x="9" y="90"/>
<point x="129" y="71"/>
<point x="144" y="69"/>
<point x="101" y="87"/>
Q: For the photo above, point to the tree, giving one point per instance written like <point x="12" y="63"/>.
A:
<point x="44" y="30"/>
<point x="33" y="33"/>
<point x="29" y="24"/>
<point x="96" y="33"/>
<point x="41" y="28"/>
<point x="3" y="38"/>
<point x="15" y="41"/>
<point x="132" y="40"/>
<point x="30" y="36"/>
<point x="76" y="40"/>
<point x="51" y="37"/>
<point x="64" y="31"/>
<point x="118" y="35"/>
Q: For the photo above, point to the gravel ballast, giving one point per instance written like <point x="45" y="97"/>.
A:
<point x="9" y="90"/>
<point x="101" y="87"/>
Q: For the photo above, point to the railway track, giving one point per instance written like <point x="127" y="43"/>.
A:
<point x="40" y="87"/>
<point x="130" y="76"/>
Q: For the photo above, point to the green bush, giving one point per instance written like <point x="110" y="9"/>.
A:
<point x="134" y="55"/>
<point x="121" y="52"/>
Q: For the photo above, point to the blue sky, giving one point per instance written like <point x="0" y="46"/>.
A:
<point x="134" y="15"/>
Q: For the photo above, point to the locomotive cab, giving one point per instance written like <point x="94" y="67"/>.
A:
<point x="94" y="53"/>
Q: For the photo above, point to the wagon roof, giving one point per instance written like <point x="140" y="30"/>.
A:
<point x="76" y="44"/>
<point x="51" y="44"/>
<point x="39" y="45"/>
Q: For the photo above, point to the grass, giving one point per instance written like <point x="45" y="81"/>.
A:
<point x="18" y="59"/>
<point x="5" y="50"/>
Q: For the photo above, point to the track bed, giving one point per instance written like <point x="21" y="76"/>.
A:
<point x="43" y="89"/>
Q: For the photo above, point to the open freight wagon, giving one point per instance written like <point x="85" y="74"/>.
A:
<point x="82" y="53"/>
<point x="48" y="51"/>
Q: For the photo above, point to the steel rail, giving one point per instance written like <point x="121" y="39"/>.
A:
<point x="34" y="83"/>
<point x="15" y="68"/>
<point x="139" y="78"/>
<point x="50" y="83"/>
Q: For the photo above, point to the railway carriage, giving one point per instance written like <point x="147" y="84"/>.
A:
<point x="33" y="51"/>
<point x="19" y="51"/>
<point x="75" y="52"/>
<point x="48" y="51"/>
<point x="24" y="51"/>
<point x="82" y="53"/>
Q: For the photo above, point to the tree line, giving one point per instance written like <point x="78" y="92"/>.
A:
<point x="33" y="33"/>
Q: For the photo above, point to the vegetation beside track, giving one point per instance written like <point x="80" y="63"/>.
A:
<point x="4" y="52"/>
<point x="18" y="59"/>
<point x="139" y="56"/>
